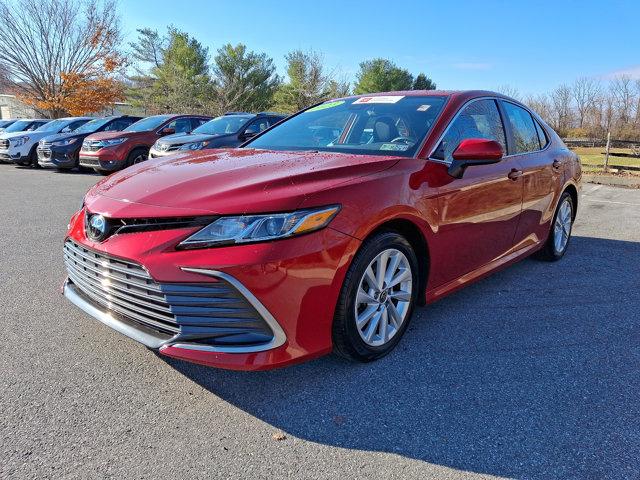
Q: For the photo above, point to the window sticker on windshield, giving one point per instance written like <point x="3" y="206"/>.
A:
<point x="379" y="99"/>
<point x="322" y="106"/>
<point x="424" y="108"/>
<point x="397" y="147"/>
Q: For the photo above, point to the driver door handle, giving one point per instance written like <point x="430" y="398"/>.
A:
<point x="514" y="174"/>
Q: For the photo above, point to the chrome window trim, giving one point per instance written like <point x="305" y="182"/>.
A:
<point x="468" y="102"/>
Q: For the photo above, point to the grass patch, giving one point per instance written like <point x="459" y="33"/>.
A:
<point x="594" y="157"/>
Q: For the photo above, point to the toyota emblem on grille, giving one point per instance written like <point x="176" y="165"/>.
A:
<point x="96" y="227"/>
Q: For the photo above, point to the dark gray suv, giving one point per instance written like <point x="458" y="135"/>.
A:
<point x="229" y="130"/>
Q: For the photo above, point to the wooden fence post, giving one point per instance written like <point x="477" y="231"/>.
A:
<point x="606" y="154"/>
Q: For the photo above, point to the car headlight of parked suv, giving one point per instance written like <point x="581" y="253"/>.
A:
<point x="194" y="146"/>
<point x="64" y="143"/>
<point x="111" y="142"/>
<point x="18" y="142"/>
<point x="260" y="228"/>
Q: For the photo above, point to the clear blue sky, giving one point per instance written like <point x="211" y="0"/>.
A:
<point x="531" y="46"/>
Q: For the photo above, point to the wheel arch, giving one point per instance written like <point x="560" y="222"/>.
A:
<point x="573" y="191"/>
<point x="418" y="242"/>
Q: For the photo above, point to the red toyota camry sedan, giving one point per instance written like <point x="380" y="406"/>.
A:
<point x="324" y="232"/>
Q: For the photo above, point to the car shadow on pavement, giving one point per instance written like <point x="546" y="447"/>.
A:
<point x="533" y="372"/>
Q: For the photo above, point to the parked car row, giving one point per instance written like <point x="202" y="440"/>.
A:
<point x="113" y="143"/>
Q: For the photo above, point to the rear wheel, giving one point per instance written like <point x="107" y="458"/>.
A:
<point x="560" y="234"/>
<point x="377" y="298"/>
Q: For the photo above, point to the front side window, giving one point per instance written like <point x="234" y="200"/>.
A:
<point x="180" y="125"/>
<point x="257" y="126"/>
<point x="479" y="119"/>
<point x="525" y="135"/>
<point x="392" y="125"/>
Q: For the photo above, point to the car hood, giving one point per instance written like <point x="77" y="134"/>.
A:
<point x="57" y="137"/>
<point x="31" y="134"/>
<point x="180" y="139"/>
<point x="109" y="135"/>
<point x="226" y="181"/>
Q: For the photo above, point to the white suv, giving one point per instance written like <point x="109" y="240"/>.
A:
<point x="19" y="142"/>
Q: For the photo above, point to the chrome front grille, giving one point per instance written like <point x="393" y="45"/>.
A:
<point x="210" y="313"/>
<point x="44" y="149"/>
<point x="89" y="146"/>
<point x="4" y="144"/>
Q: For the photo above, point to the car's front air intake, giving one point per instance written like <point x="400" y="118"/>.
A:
<point x="211" y="313"/>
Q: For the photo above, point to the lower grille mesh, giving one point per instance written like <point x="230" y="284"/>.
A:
<point x="211" y="313"/>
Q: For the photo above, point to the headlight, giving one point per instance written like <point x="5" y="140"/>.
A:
<point x="111" y="142"/>
<point x="260" y="228"/>
<point x="64" y="143"/>
<point x="194" y="146"/>
<point x="18" y="142"/>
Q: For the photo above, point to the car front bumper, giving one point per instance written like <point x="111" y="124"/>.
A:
<point x="58" y="158"/>
<point x="292" y="284"/>
<point x="103" y="159"/>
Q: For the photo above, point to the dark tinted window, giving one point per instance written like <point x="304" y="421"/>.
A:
<point x="542" y="136"/>
<point x="119" y="124"/>
<point x="525" y="135"/>
<point x="196" y="122"/>
<point x="479" y="119"/>
<point x="180" y="125"/>
<point x="73" y="126"/>
<point x="258" y="125"/>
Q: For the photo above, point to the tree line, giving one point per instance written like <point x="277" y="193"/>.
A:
<point x="68" y="57"/>
<point x="174" y="72"/>
<point x="590" y="107"/>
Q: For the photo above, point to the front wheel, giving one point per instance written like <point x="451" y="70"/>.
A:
<point x="377" y="298"/>
<point x="560" y="234"/>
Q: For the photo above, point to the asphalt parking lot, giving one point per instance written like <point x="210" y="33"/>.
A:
<point x="531" y="373"/>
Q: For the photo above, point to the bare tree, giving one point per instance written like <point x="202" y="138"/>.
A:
<point x="622" y="89"/>
<point x="561" y="100"/>
<point x="585" y="91"/>
<point x="509" y="91"/>
<point x="41" y="40"/>
<point x="542" y="105"/>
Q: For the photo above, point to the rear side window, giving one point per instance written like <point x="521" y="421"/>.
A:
<point x="542" y="136"/>
<point x="479" y="119"/>
<point x="525" y="135"/>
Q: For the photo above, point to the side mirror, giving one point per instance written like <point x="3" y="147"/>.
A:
<point x="472" y="152"/>
<point x="167" y="131"/>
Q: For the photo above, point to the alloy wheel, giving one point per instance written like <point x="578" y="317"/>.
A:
<point x="562" y="226"/>
<point x="383" y="297"/>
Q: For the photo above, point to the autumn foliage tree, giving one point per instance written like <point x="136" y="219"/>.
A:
<point x="62" y="56"/>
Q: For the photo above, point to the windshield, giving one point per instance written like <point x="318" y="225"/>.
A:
<point x="222" y="125"/>
<point x="53" y="126"/>
<point x="19" y="126"/>
<point x="383" y="125"/>
<point x="92" y="125"/>
<point x="146" y="124"/>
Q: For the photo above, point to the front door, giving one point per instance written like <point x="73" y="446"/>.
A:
<point x="478" y="213"/>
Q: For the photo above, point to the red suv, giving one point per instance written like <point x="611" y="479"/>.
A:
<point x="106" y="152"/>
<point x="323" y="232"/>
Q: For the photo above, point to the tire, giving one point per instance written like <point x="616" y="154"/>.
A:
<point x="137" y="155"/>
<point x="367" y="342"/>
<point x="560" y="230"/>
<point x="33" y="157"/>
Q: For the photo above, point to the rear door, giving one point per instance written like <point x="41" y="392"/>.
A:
<point x="478" y="213"/>
<point x="529" y="147"/>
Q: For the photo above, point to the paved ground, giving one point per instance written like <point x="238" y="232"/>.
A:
<point x="532" y="373"/>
